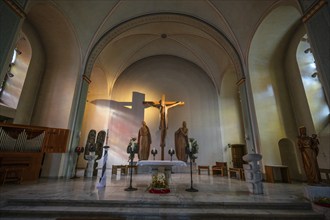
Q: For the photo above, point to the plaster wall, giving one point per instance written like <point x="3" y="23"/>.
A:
<point x="178" y="80"/>
<point x="62" y="62"/>
<point x="54" y="101"/>
<point x="231" y="116"/>
<point x="267" y="73"/>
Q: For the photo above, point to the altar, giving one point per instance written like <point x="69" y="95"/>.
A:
<point x="161" y="173"/>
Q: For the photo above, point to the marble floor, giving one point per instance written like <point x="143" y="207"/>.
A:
<point x="210" y="189"/>
<point x="83" y="195"/>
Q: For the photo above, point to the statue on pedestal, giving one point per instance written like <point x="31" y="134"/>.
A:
<point x="144" y="141"/>
<point x="308" y="147"/>
<point x="181" y="141"/>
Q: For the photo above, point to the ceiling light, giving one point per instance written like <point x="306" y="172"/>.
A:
<point x="9" y="74"/>
<point x="308" y="50"/>
<point x="18" y="51"/>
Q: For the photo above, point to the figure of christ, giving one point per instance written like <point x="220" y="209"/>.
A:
<point x="163" y="107"/>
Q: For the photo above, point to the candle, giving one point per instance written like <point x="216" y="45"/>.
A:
<point x="190" y="147"/>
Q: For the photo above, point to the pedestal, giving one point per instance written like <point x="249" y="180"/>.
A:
<point x="90" y="164"/>
<point x="253" y="174"/>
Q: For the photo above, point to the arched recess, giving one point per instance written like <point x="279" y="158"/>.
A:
<point x="307" y="95"/>
<point x="12" y="89"/>
<point x="58" y="51"/>
<point x="318" y="107"/>
<point x="268" y="77"/>
<point x="121" y="30"/>
<point x="60" y="47"/>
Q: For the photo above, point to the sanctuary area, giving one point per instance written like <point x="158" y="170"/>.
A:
<point x="194" y="106"/>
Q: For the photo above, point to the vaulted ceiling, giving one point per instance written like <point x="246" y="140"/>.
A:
<point x="215" y="35"/>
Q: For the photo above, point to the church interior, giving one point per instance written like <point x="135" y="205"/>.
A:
<point x="245" y="76"/>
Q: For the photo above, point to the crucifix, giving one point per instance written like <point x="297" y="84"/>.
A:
<point x="163" y="107"/>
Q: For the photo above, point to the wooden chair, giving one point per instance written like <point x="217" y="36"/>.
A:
<point x="220" y="168"/>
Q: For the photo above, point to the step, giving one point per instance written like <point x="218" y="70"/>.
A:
<point x="73" y="209"/>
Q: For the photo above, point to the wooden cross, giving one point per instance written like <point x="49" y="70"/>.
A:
<point x="163" y="107"/>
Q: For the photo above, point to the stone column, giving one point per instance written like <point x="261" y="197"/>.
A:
<point x="253" y="174"/>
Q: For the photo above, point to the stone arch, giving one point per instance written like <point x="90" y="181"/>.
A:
<point x="267" y="72"/>
<point x="216" y="35"/>
<point x="195" y="22"/>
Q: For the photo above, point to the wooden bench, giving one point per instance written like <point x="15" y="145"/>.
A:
<point x="327" y="174"/>
<point x="220" y="168"/>
<point x="236" y="173"/>
<point x="135" y="167"/>
<point x="207" y="168"/>
<point x="123" y="169"/>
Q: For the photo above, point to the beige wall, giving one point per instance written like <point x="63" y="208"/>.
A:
<point x="232" y="130"/>
<point x="267" y="73"/>
<point x="179" y="80"/>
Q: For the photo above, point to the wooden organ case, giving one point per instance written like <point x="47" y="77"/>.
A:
<point x="22" y="149"/>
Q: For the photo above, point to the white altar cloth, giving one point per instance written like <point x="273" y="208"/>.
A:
<point x="161" y="163"/>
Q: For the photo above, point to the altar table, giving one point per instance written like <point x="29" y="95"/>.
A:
<point x="164" y="166"/>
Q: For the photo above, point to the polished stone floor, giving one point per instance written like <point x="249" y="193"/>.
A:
<point x="210" y="189"/>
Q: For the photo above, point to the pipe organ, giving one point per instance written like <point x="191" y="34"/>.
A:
<point x="22" y="148"/>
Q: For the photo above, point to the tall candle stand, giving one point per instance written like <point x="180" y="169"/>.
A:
<point x="191" y="157"/>
<point x="131" y="150"/>
<point x="154" y="152"/>
<point x="171" y="152"/>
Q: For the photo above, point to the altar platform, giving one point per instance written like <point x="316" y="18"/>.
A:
<point x="218" y="198"/>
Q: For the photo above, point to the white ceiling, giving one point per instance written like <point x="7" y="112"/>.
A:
<point x="213" y="34"/>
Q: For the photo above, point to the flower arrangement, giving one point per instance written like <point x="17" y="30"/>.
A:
<point x="132" y="148"/>
<point x="159" y="184"/>
<point x="159" y="181"/>
<point x="323" y="201"/>
<point x="192" y="148"/>
<point x="79" y="149"/>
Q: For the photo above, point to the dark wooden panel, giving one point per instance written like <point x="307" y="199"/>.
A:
<point x="30" y="163"/>
<point x="56" y="140"/>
